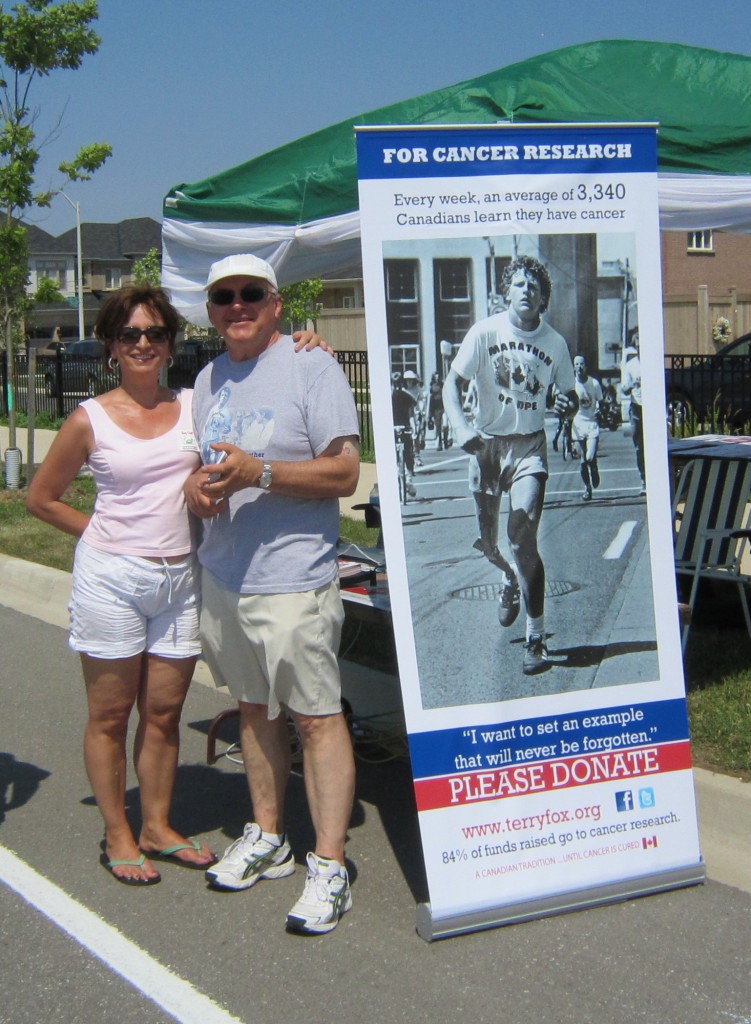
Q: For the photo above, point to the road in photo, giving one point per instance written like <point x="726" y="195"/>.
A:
<point x="599" y="600"/>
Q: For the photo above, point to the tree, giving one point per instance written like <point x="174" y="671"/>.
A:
<point x="47" y="291"/>
<point x="36" y="38"/>
<point x="147" y="270"/>
<point x="301" y="301"/>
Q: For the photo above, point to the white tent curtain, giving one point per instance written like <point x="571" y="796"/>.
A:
<point x="331" y="247"/>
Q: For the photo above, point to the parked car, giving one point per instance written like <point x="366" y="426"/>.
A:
<point x="78" y="368"/>
<point x="712" y="390"/>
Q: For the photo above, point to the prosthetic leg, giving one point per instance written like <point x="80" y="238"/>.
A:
<point x="488" y="507"/>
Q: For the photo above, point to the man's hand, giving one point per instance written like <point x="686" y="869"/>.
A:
<point x="473" y="445"/>
<point x="217" y="480"/>
<point x="562" y="404"/>
<point x="310" y="340"/>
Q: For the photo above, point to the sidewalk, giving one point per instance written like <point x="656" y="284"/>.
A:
<point x="723" y="802"/>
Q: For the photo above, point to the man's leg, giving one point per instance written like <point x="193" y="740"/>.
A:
<point x="266" y="755"/>
<point x="484" y="473"/>
<point x="527" y="497"/>
<point x="637" y="435"/>
<point x="262" y="851"/>
<point x="592" y="445"/>
<point x="330" y="786"/>
<point x="329" y="769"/>
<point x="584" y="471"/>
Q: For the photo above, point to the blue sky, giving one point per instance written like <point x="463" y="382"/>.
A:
<point x="183" y="89"/>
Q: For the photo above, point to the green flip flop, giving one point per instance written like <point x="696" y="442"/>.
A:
<point x="168" y="854"/>
<point x="108" y="865"/>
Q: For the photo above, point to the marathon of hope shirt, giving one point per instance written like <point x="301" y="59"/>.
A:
<point x="512" y="370"/>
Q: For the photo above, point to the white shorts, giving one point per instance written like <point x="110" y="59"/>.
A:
<point x="275" y="649"/>
<point x="504" y="460"/>
<point x="122" y="605"/>
<point x="584" y="429"/>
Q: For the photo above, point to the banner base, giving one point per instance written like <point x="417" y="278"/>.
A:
<point x="430" y="928"/>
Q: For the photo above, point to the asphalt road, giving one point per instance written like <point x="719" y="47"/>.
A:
<point x="601" y="631"/>
<point x="78" y="948"/>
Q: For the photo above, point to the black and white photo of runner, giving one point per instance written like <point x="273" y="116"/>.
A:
<point x="519" y="587"/>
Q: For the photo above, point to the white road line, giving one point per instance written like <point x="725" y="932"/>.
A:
<point x="618" y="544"/>
<point x="174" y="995"/>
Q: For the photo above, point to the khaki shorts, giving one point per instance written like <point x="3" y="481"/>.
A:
<point x="275" y="649"/>
<point x="504" y="460"/>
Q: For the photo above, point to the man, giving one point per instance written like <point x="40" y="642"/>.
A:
<point x="586" y="426"/>
<point x="272" y="613"/>
<point x="631" y="385"/>
<point x="512" y="358"/>
<point x="403" y="405"/>
<point x="413" y="388"/>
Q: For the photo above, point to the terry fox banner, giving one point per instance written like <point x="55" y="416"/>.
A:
<point x="514" y="321"/>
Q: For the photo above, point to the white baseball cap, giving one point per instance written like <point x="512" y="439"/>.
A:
<point x="410" y="375"/>
<point x="241" y="265"/>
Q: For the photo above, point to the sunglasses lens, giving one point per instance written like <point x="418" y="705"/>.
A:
<point x="129" y="334"/>
<point x="224" y="296"/>
<point x="157" y="334"/>
<point x="132" y="335"/>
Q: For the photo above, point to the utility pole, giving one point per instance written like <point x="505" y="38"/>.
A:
<point x="79" y="260"/>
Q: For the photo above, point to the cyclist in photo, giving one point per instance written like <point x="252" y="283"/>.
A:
<point x="403" y="404"/>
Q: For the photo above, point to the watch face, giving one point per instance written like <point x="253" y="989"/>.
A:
<point x="265" y="480"/>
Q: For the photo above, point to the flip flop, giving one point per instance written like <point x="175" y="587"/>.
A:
<point x="168" y="854"/>
<point x="108" y="865"/>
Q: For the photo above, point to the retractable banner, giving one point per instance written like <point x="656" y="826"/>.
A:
<point x="514" y="322"/>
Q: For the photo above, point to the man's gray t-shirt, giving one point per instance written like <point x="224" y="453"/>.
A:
<point x="287" y="406"/>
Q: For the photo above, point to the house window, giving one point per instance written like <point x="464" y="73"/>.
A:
<point x="700" y="241"/>
<point x="405" y="357"/>
<point x="53" y="269"/>
<point x="494" y="268"/>
<point x="402" y="302"/>
<point x="453" y="300"/>
<point x="112" y="277"/>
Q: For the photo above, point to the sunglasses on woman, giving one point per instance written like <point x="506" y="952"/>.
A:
<point x="132" y="335"/>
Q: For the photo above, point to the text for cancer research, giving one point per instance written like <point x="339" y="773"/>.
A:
<point x="610" y="838"/>
<point x="590" y="198"/>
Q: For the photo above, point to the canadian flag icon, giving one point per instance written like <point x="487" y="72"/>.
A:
<point x="647" y="842"/>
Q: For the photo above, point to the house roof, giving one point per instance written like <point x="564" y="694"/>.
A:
<point x="128" y="239"/>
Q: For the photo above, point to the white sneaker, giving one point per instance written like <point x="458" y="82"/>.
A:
<point x="325" y="898"/>
<point x="249" y="858"/>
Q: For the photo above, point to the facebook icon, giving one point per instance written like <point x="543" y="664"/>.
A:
<point x="624" y="801"/>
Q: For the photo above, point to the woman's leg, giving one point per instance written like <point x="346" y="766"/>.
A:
<point x="111" y="691"/>
<point x="164" y="685"/>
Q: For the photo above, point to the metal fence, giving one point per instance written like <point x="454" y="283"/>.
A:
<point x="60" y="383"/>
<point x="708" y="394"/>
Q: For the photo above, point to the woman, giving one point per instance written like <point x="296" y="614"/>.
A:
<point x="134" y="604"/>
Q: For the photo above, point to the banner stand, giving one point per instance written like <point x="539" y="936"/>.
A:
<point x="430" y="928"/>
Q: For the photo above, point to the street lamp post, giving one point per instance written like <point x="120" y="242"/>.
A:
<point x="79" y="258"/>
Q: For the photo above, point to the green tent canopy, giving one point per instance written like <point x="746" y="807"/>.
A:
<point x="297" y="205"/>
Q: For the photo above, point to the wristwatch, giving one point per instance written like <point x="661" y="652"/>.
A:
<point x="264" y="480"/>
